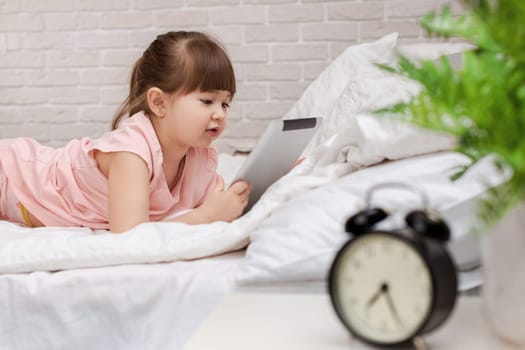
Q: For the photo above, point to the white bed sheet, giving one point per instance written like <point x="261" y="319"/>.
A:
<point x="149" y="306"/>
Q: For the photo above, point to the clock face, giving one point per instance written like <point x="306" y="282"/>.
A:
<point x="382" y="288"/>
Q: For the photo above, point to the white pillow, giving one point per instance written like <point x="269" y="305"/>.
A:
<point x="319" y="97"/>
<point x="324" y="93"/>
<point x="351" y="134"/>
<point x="299" y="241"/>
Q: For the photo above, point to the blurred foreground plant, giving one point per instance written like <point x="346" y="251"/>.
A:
<point x="483" y="102"/>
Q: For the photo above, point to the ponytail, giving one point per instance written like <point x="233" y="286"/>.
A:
<point x="135" y="102"/>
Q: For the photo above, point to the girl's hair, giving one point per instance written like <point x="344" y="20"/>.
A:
<point x="177" y="62"/>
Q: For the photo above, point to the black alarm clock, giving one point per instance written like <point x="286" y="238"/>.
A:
<point x="389" y="287"/>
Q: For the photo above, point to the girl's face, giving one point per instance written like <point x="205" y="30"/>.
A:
<point x="195" y="119"/>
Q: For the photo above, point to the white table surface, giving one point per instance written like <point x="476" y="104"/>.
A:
<point x="307" y="321"/>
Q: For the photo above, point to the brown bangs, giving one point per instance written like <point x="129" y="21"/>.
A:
<point x="207" y="68"/>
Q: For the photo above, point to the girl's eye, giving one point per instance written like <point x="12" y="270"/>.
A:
<point x="206" y="102"/>
<point x="225" y="105"/>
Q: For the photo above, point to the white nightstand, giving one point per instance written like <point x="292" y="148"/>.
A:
<point x="307" y="321"/>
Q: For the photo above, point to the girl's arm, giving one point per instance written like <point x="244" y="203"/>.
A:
<point x="128" y="182"/>
<point x="219" y="204"/>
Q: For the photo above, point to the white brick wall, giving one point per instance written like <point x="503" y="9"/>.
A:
<point x="64" y="64"/>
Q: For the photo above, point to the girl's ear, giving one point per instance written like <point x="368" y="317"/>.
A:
<point x="157" y="101"/>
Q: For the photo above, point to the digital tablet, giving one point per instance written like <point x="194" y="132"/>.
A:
<point x="273" y="156"/>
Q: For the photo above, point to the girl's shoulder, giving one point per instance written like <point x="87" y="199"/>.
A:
<point x="135" y="135"/>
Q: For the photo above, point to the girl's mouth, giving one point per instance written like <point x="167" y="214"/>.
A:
<point x="213" y="132"/>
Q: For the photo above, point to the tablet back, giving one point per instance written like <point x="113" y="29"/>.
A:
<point x="273" y="156"/>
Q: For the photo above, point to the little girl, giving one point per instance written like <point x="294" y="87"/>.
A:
<point x="157" y="160"/>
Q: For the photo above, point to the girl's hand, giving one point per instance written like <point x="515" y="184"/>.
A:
<point x="226" y="205"/>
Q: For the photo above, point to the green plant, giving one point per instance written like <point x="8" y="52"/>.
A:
<point x="483" y="102"/>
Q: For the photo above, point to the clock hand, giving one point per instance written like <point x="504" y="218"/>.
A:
<point x="382" y="289"/>
<point x="392" y="306"/>
<point x="374" y="297"/>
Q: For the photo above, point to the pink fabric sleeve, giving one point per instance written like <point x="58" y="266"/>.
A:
<point x="130" y="139"/>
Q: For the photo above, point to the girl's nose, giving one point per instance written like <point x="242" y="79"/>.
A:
<point x="218" y="113"/>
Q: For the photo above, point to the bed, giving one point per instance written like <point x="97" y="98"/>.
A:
<point x="153" y="286"/>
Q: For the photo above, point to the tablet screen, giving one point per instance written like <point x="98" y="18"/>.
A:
<point x="277" y="150"/>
